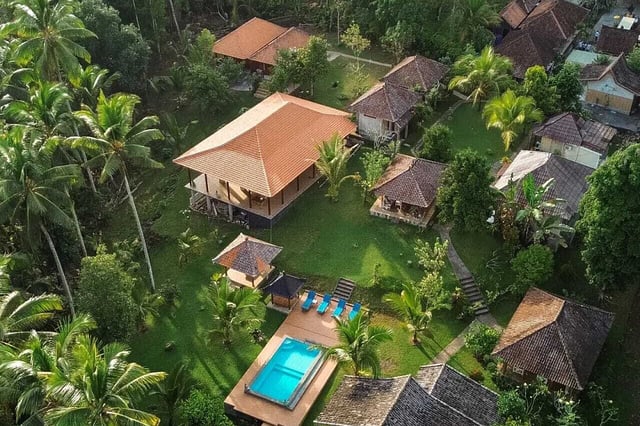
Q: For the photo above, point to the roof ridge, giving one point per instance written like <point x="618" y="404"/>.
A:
<point x="566" y="351"/>
<point x="555" y="18"/>
<point x="468" y="379"/>
<point x="386" y="97"/>
<point x="447" y="405"/>
<point x="273" y="40"/>
<point x="395" y="399"/>
<point x="415" y="181"/>
<point x="526" y="336"/>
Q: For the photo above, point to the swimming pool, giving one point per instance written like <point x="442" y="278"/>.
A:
<point x="286" y="376"/>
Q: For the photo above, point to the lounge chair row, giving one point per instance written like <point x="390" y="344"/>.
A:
<point x="326" y="302"/>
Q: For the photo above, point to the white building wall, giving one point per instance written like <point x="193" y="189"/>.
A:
<point x="369" y="127"/>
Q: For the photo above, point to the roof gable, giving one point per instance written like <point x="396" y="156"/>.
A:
<point x="411" y="180"/>
<point x="248" y="38"/>
<point x="416" y="71"/>
<point x="555" y="338"/>
<point x="572" y="129"/>
<point x="615" y="41"/>
<point x="268" y="146"/>
<point x="387" y="102"/>
<point x="292" y="38"/>
<point x="618" y="69"/>
<point x="516" y="11"/>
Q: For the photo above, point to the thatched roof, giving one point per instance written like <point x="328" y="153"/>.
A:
<point x="555" y="338"/>
<point x="248" y="255"/>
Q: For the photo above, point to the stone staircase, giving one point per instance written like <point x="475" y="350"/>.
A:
<point x="343" y="289"/>
<point x="474" y="296"/>
<point x="262" y="91"/>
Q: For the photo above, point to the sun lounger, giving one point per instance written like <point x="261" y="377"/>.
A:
<point x="326" y="301"/>
<point x="311" y="295"/>
<point x="341" y="304"/>
<point x="354" y="311"/>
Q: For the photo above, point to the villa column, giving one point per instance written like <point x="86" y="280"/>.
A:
<point x="190" y="180"/>
<point x="250" y="205"/>
<point x="313" y="170"/>
<point x="228" y="192"/>
<point x="282" y="197"/>
<point x="206" y="183"/>
<point x="269" y="206"/>
<point x="297" y="183"/>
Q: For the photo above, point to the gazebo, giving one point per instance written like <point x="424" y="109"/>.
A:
<point x="248" y="260"/>
<point x="284" y="289"/>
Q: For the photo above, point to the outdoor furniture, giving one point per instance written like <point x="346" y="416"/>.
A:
<point x="326" y="301"/>
<point x="354" y="311"/>
<point x="340" y="308"/>
<point x="309" y="301"/>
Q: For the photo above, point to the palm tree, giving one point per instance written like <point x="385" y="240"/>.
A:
<point x="359" y="341"/>
<point x="411" y="307"/>
<point x="232" y="308"/>
<point x="33" y="193"/>
<point x="48" y="31"/>
<point x="510" y="114"/>
<point x="118" y="142"/>
<point x="19" y="316"/>
<point x="25" y="371"/>
<point x="90" y="81"/>
<point x="481" y="76"/>
<point x="536" y="202"/>
<point x="332" y="164"/>
<point x="474" y="15"/>
<point x="175" y="388"/>
<point x="98" y="386"/>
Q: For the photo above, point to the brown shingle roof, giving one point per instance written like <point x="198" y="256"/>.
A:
<point x="570" y="128"/>
<point x="399" y="401"/>
<point x="411" y="180"/>
<point x="460" y="392"/>
<point x="615" y="41"/>
<point x="570" y="178"/>
<point x="248" y="255"/>
<point x="517" y="10"/>
<point x="618" y="69"/>
<point x="248" y="38"/>
<point x="293" y="38"/>
<point x="416" y="71"/>
<point x="387" y="102"/>
<point x="543" y="34"/>
<point x="268" y="146"/>
<point x="555" y="338"/>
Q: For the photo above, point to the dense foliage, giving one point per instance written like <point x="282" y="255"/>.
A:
<point x="481" y="339"/>
<point x="531" y="267"/>
<point x="203" y="409"/>
<point x="436" y="143"/>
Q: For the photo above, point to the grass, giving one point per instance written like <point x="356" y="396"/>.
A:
<point x="466" y="363"/>
<point x="373" y="53"/>
<point x="340" y="95"/>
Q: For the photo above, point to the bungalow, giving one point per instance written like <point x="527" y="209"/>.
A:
<point x="256" y="42"/>
<point x="574" y="138"/>
<point x="614" y="41"/>
<point x="539" y="32"/>
<point x="254" y="167"/>
<point x="613" y="86"/>
<point x="555" y="338"/>
<point x="388" y="106"/>
<point x="570" y="179"/>
<point x="438" y="395"/>
<point x="407" y="190"/>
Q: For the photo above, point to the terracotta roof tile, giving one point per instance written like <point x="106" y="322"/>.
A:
<point x="248" y="38"/>
<point x="387" y="102"/>
<point x="291" y="39"/>
<point x="570" y="128"/>
<point x="268" y="146"/>
<point x="517" y="10"/>
<point x="555" y="338"/>
<point x="615" y="41"/>
<point x="248" y="255"/>
<point x="618" y="69"/>
<point x="411" y="180"/>
<point x="416" y="71"/>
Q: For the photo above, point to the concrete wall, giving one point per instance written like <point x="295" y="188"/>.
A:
<point x="608" y="93"/>
<point x="579" y="154"/>
<point x="370" y="127"/>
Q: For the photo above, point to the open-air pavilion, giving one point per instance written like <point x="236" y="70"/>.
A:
<point x="253" y="168"/>
<point x="248" y="260"/>
<point x="284" y="290"/>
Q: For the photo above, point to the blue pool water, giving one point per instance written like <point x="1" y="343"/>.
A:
<point x="284" y="378"/>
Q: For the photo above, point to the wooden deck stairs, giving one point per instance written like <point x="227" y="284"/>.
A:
<point x="262" y="91"/>
<point x="343" y="289"/>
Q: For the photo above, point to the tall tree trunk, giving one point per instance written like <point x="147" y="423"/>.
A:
<point x="175" y="19"/>
<point x="135" y="12"/>
<point x="78" y="230"/>
<point x="63" y="278"/>
<point x="92" y="183"/>
<point x="140" y="231"/>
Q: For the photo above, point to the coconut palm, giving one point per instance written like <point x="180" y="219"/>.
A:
<point x="482" y="76"/>
<point x="233" y="308"/>
<point x="118" y="142"/>
<point x="33" y="193"/>
<point x="410" y="306"/>
<point x="49" y="32"/>
<point x="19" y="316"/>
<point x="89" y="82"/>
<point x="510" y="114"/>
<point x="24" y="372"/>
<point x="332" y="164"/>
<point x="98" y="386"/>
<point x="175" y="388"/>
<point x="358" y="347"/>
<point x="474" y="15"/>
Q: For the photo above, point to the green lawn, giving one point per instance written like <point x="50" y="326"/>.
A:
<point x="336" y="87"/>
<point x="466" y="363"/>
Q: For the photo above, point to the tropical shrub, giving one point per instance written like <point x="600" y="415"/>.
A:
<point x="436" y="143"/>
<point x="532" y="266"/>
<point x="203" y="409"/>
<point x="481" y="339"/>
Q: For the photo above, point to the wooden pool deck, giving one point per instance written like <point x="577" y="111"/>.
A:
<point x="309" y="326"/>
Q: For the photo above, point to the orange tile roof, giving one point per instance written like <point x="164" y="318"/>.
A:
<point x="248" y="38"/>
<point x="268" y="146"/>
<point x="290" y="39"/>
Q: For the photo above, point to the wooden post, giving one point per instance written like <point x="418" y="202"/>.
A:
<point x="297" y="183"/>
<point x="269" y="206"/>
<point x="282" y="197"/>
<point x="313" y="170"/>
<point x="190" y="180"/>
<point x="206" y="183"/>
<point x="228" y="192"/>
<point x="250" y="206"/>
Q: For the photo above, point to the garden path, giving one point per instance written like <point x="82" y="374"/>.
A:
<point x="332" y="54"/>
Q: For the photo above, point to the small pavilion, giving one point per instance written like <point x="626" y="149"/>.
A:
<point x="284" y="290"/>
<point x="248" y="260"/>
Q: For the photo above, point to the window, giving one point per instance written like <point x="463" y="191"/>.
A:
<point x="518" y="370"/>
